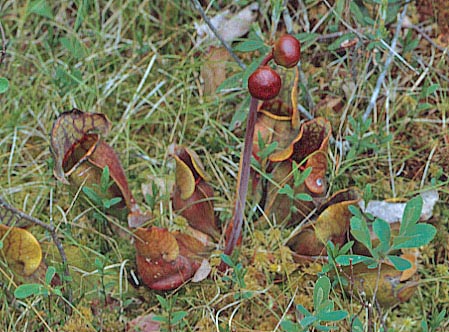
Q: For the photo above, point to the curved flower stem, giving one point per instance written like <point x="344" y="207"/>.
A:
<point x="267" y="59"/>
<point x="3" y="49"/>
<point x="242" y="182"/>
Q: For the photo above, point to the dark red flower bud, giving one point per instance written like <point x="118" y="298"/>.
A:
<point x="264" y="83"/>
<point x="287" y="51"/>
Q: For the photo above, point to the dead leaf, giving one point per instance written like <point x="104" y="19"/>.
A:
<point x="144" y="323"/>
<point x="390" y="289"/>
<point x="392" y="212"/>
<point x="202" y="272"/>
<point x="213" y="70"/>
<point x="229" y="27"/>
<point x="20" y="249"/>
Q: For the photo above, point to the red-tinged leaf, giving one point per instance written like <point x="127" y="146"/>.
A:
<point x="193" y="196"/>
<point x="72" y="129"/>
<point x="104" y="156"/>
<point x="157" y="264"/>
<point x="156" y="243"/>
<point x="191" y="247"/>
<point x="316" y="182"/>
<point x="81" y="156"/>
<point x="159" y="274"/>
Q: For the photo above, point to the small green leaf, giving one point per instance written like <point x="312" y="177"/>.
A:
<point x="303" y="310"/>
<point x="57" y="292"/>
<point x="250" y="46"/>
<point x="267" y="150"/>
<point x="355" y="210"/>
<point x="343" y="250"/>
<point x="40" y="7"/>
<point x="399" y="263"/>
<point x="51" y="271"/>
<point x="424" y="326"/>
<point x="337" y="43"/>
<point x="360" y="231"/>
<point x="104" y="180"/>
<point x="108" y="203"/>
<point x="161" y="319"/>
<point x="355" y="10"/>
<point x="431" y="89"/>
<point x="382" y="229"/>
<point x="424" y="106"/>
<point x="321" y="291"/>
<point x="178" y="316"/>
<point x="307" y="321"/>
<point x="232" y="82"/>
<point x="164" y="303"/>
<point x="367" y="194"/>
<point x="26" y="290"/>
<point x="307" y="39"/>
<point x="287" y="190"/>
<point x="73" y="45"/>
<point x="4" y="85"/>
<point x="416" y="236"/>
<point x="240" y="115"/>
<point x="332" y="316"/>
<point x="289" y="326"/>
<point x="304" y="197"/>
<point x="300" y="177"/>
<point x="357" y="325"/>
<point x="346" y="260"/>
<point x="93" y="196"/>
<point x="412" y="213"/>
<point x="227" y="260"/>
<point x="304" y="37"/>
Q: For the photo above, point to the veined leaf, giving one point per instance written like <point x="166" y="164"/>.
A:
<point x="382" y="229"/>
<point x="416" y="236"/>
<point x="359" y="229"/>
<point x="332" y="316"/>
<point x="321" y="291"/>
<point x="26" y="290"/>
<point x="250" y="45"/>
<point x="412" y="213"/>
<point x="401" y="264"/>
<point x="307" y="321"/>
<point x="353" y="259"/>
<point x="4" y="85"/>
